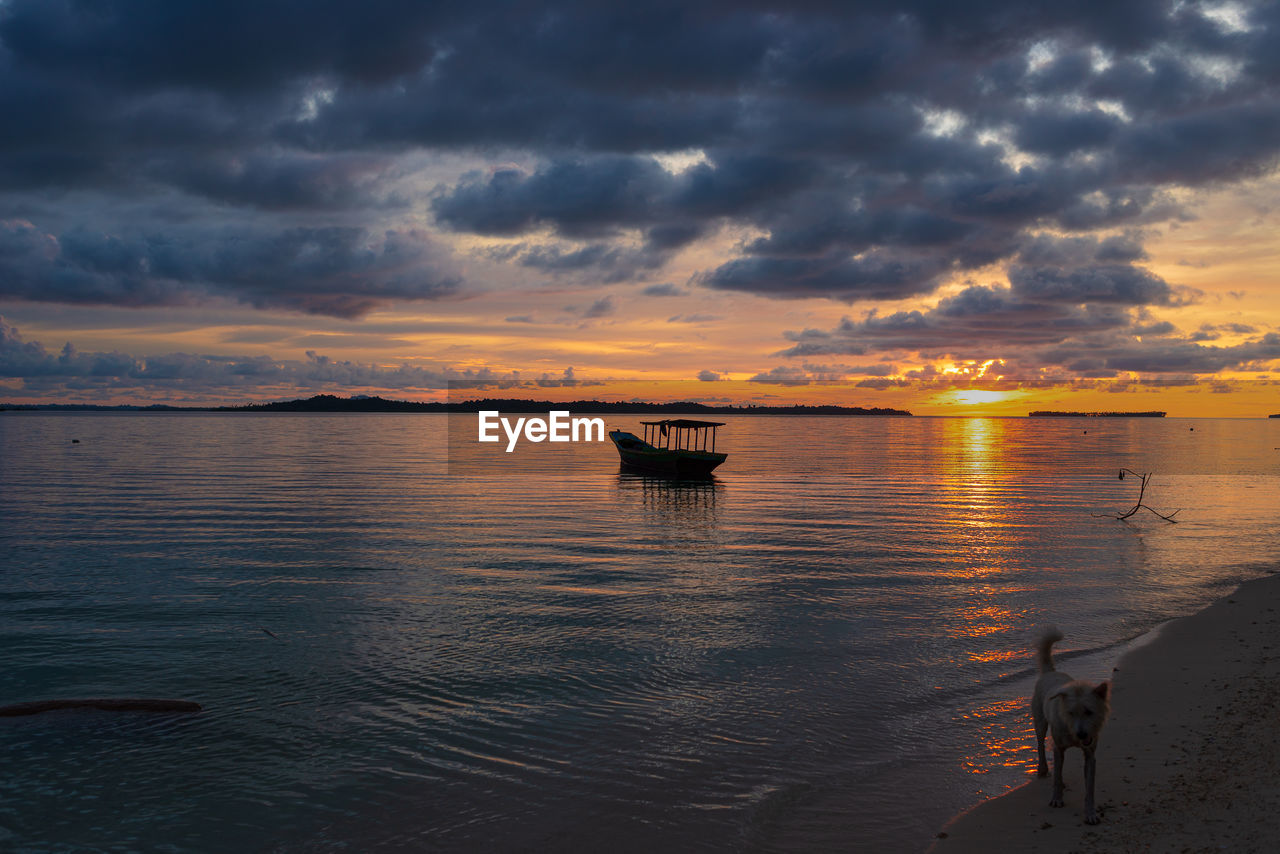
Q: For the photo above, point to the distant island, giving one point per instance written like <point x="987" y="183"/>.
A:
<point x="360" y="403"/>
<point x="1055" y="414"/>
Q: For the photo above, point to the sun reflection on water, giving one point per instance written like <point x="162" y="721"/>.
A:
<point x="999" y="746"/>
<point x="513" y="651"/>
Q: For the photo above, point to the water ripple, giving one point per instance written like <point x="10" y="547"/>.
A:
<point x="402" y="648"/>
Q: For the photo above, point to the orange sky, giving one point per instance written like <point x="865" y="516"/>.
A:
<point x="654" y="347"/>
<point x="1007" y="209"/>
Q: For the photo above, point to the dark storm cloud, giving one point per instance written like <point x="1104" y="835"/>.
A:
<point x="1102" y="337"/>
<point x="72" y="374"/>
<point x="807" y="373"/>
<point x="976" y="323"/>
<point x="230" y="45"/>
<point x="819" y="223"/>
<point x="283" y="182"/>
<point x="1042" y="250"/>
<point x="672" y="236"/>
<point x="1118" y="206"/>
<point x="605" y="262"/>
<point x="666" y="289"/>
<point x="1184" y="356"/>
<point x="602" y="307"/>
<point x="1101" y="283"/>
<point x="873" y="276"/>
<point x="597" y="196"/>
<point x="1216" y="144"/>
<point x="1160" y="327"/>
<point x="340" y="271"/>
<point x="578" y="198"/>
<point x="870" y="151"/>
<point x="788" y="375"/>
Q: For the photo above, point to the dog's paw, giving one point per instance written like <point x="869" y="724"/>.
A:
<point x="1042" y="772"/>
<point x="1055" y="802"/>
<point x="1092" y="818"/>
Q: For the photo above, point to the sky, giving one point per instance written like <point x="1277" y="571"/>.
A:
<point x="979" y="207"/>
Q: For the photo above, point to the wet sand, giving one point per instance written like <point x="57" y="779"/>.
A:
<point x="1190" y="759"/>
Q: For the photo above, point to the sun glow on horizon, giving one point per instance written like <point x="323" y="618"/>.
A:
<point x="970" y="396"/>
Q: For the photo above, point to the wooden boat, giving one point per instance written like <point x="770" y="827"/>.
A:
<point x="675" y="447"/>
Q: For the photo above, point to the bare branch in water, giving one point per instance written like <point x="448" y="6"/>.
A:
<point x="1142" y="491"/>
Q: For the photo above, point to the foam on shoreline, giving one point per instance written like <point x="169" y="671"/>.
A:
<point x="1190" y="758"/>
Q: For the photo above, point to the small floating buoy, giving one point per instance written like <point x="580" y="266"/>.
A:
<point x="75" y="441"/>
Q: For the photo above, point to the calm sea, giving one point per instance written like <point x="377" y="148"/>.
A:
<point x="404" y="644"/>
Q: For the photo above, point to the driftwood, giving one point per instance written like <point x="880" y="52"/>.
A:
<point x="1139" y="505"/>
<point x="106" y="704"/>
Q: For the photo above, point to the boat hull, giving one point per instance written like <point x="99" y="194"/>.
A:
<point x="640" y="456"/>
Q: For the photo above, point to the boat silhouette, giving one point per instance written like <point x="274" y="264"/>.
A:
<point x="673" y="447"/>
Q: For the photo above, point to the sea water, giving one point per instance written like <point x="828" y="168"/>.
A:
<point x="403" y="642"/>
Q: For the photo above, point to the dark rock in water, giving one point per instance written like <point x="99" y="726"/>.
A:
<point x="106" y="704"/>
<point x="75" y="441"/>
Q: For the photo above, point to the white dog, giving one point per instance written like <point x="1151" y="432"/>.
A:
<point x="1074" y="711"/>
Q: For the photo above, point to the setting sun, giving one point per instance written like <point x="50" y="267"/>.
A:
<point x="977" y="395"/>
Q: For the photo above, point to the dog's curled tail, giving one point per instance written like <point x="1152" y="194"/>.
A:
<point x="1044" y="647"/>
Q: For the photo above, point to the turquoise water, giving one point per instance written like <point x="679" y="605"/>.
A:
<point x="404" y="643"/>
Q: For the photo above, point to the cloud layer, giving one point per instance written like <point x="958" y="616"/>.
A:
<point x="28" y="369"/>
<point x="330" y="159"/>
<point x="334" y="270"/>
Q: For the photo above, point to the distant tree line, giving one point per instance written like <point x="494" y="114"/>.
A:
<point x="1054" y="414"/>
<point x="332" y="403"/>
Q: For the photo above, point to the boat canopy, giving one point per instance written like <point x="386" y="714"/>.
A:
<point x="681" y="433"/>
<point x="684" y="423"/>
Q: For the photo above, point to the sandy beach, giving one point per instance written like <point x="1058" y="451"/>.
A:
<point x="1190" y="759"/>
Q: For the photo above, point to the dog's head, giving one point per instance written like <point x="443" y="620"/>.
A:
<point x="1083" y="708"/>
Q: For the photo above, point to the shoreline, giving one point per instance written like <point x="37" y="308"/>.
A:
<point x="1189" y="760"/>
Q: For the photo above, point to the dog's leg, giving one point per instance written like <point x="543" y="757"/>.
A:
<point x="1090" y="767"/>
<point x="1059" y="754"/>
<point x="1042" y="727"/>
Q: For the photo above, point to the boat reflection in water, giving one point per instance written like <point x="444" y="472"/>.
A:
<point x="682" y="515"/>
<point x="674" y="447"/>
<point x="670" y="493"/>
